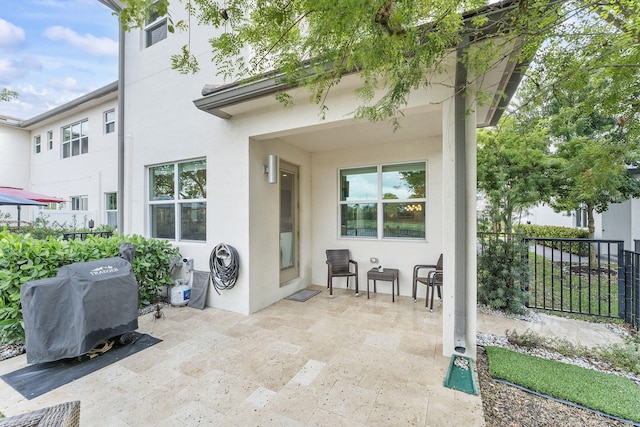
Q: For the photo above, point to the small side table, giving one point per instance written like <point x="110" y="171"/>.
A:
<point x="389" y="275"/>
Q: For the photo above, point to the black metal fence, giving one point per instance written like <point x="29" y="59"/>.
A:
<point x="630" y="304"/>
<point x="83" y="235"/>
<point x="580" y="276"/>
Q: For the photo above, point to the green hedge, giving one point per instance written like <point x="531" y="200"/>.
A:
<point x="555" y="232"/>
<point x="551" y="231"/>
<point x="24" y="258"/>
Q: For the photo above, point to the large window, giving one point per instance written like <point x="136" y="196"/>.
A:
<point x="155" y="29"/>
<point x="384" y="201"/>
<point x="75" y="139"/>
<point x="109" y="121"/>
<point x="177" y="200"/>
<point x="37" y="146"/>
<point x="111" y="209"/>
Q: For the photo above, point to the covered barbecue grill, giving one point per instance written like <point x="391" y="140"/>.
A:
<point x="85" y="304"/>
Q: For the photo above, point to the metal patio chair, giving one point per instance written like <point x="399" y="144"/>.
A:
<point x="433" y="280"/>
<point x="338" y="265"/>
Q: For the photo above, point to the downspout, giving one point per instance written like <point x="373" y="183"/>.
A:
<point x="120" y="200"/>
<point x="113" y="5"/>
<point x="460" y="229"/>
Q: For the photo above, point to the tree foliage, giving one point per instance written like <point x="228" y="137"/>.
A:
<point x="515" y="170"/>
<point x="583" y="89"/>
<point x="396" y="46"/>
<point x="7" y="95"/>
<point x="579" y="97"/>
<point x="590" y="64"/>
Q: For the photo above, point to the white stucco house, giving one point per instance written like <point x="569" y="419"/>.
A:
<point x="68" y="152"/>
<point x="190" y="167"/>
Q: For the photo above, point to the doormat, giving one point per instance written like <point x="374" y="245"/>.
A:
<point x="40" y="378"/>
<point x="302" y="295"/>
<point x="460" y="375"/>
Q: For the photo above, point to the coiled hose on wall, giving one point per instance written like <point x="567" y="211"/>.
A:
<point x="224" y="265"/>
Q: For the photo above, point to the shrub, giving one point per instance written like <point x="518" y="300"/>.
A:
<point x="555" y="232"/>
<point x="527" y="340"/>
<point x="24" y="258"/>
<point x="503" y="272"/>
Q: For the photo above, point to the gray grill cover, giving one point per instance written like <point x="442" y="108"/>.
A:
<point x="85" y="304"/>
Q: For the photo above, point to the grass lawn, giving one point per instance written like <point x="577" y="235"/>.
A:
<point x="554" y="287"/>
<point x="607" y="393"/>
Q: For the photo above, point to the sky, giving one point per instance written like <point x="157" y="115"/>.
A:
<point x="53" y="51"/>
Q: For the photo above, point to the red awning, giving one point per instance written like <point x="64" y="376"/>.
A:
<point x="18" y="192"/>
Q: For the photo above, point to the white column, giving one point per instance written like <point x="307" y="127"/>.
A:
<point x="459" y="249"/>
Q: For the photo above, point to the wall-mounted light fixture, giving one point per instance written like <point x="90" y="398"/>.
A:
<point x="271" y="169"/>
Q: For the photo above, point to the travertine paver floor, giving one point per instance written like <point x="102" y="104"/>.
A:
<point x="344" y="361"/>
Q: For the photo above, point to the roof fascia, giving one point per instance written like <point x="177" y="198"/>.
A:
<point x="96" y="94"/>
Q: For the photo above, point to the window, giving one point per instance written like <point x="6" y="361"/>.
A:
<point x="177" y="200"/>
<point x="581" y="218"/>
<point x="110" y="121"/>
<point x="155" y="29"/>
<point x="79" y="203"/>
<point x="50" y="140"/>
<point x="36" y="143"/>
<point x="387" y="201"/>
<point x="75" y="139"/>
<point x="111" y="209"/>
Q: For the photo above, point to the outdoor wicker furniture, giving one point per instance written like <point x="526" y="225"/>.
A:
<point x="62" y="415"/>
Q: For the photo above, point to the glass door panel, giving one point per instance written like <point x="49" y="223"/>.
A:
<point x="288" y="222"/>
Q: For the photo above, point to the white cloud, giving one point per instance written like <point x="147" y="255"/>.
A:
<point x="87" y="43"/>
<point x="11" y="69"/>
<point x="10" y="35"/>
<point x="67" y="83"/>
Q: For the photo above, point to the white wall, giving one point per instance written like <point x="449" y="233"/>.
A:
<point x="545" y="215"/>
<point x="400" y="254"/>
<point x="162" y="125"/>
<point x="15" y="148"/>
<point x="616" y="224"/>
<point x="91" y="174"/>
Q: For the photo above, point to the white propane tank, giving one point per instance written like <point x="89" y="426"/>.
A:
<point x="180" y="294"/>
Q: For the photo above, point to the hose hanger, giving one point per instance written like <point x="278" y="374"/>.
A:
<point x="224" y="265"/>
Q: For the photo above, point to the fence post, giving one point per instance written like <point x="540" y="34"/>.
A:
<point x="622" y="291"/>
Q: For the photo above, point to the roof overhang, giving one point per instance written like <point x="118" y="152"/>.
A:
<point x="224" y="101"/>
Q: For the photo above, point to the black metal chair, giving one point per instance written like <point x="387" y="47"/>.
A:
<point x="433" y="280"/>
<point x="338" y="265"/>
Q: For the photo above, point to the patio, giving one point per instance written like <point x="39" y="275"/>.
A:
<point x="345" y="361"/>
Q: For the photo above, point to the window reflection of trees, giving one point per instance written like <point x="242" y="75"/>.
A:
<point x="193" y="180"/>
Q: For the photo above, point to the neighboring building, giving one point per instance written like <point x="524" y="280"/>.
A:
<point x="621" y="221"/>
<point x="68" y="152"/>
<point x="194" y="172"/>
